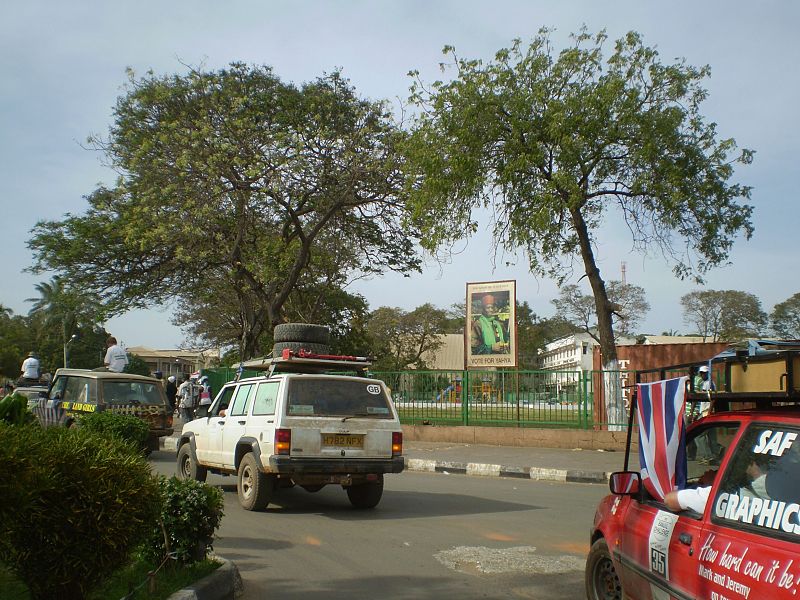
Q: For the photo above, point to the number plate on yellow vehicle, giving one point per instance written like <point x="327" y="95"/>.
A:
<point x="343" y="440"/>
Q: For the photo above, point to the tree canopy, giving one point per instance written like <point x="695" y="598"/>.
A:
<point x="554" y="143"/>
<point x="231" y="181"/>
<point x="785" y="318"/>
<point x="400" y="339"/>
<point x="724" y="315"/>
<point x="629" y="306"/>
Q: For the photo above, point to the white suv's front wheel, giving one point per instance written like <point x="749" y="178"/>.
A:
<point x="188" y="467"/>
<point x="254" y="487"/>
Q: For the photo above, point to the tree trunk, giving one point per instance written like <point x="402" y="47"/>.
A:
<point x="612" y="385"/>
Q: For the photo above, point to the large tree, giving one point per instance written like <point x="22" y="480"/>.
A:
<point x="729" y="315"/>
<point x="554" y="142"/>
<point x="785" y="318"/>
<point x="629" y="306"/>
<point x="232" y="177"/>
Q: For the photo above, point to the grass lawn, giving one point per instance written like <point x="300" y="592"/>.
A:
<point x="168" y="581"/>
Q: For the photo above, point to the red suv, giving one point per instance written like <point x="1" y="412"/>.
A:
<point x="745" y="545"/>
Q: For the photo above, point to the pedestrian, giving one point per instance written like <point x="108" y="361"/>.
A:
<point x="171" y="390"/>
<point x="116" y="358"/>
<point x="205" y="391"/>
<point x="186" y="392"/>
<point x="30" y="369"/>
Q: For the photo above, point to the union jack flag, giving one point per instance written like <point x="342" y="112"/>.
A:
<point x="662" y="435"/>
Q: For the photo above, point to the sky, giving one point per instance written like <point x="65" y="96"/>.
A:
<point x="64" y="66"/>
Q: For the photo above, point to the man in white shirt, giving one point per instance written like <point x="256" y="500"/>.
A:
<point x="116" y="358"/>
<point x="30" y="368"/>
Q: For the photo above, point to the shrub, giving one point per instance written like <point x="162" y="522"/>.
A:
<point x="72" y="507"/>
<point x="14" y="410"/>
<point x="126" y="427"/>
<point x="191" y="512"/>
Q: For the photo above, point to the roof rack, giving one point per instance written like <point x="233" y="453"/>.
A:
<point x="763" y="372"/>
<point x="302" y="361"/>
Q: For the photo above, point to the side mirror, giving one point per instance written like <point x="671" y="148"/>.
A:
<point x="626" y="483"/>
<point x="201" y="412"/>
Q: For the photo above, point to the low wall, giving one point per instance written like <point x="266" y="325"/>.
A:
<point x="520" y="436"/>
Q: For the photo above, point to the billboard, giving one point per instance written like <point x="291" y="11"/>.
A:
<point x="491" y="331"/>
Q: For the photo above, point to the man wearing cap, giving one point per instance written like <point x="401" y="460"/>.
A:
<point x="488" y="334"/>
<point x="30" y="369"/>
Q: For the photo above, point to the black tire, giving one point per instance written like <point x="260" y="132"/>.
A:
<point x="301" y="332"/>
<point x="253" y="487"/>
<point x="366" y="495"/>
<point x="602" y="580"/>
<point x="188" y="467"/>
<point x="279" y="347"/>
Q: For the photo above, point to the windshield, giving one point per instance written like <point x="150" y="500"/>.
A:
<point x="131" y="392"/>
<point x="337" y="398"/>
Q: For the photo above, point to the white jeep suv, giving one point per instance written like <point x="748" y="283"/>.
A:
<point x="298" y="424"/>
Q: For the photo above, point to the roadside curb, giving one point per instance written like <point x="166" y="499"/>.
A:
<point x="480" y="469"/>
<point x="488" y="470"/>
<point x="224" y="583"/>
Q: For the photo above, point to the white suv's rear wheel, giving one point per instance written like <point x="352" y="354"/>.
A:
<point x="366" y="495"/>
<point x="254" y="487"/>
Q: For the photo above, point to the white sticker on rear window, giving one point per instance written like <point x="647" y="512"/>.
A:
<point x="374" y="389"/>
<point x="301" y="409"/>
<point x="377" y="410"/>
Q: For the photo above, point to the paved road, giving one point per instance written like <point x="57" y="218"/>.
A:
<point x="433" y="536"/>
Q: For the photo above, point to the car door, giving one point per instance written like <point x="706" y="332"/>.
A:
<point x="208" y="432"/>
<point x="659" y="548"/>
<point x="751" y="543"/>
<point x="232" y="426"/>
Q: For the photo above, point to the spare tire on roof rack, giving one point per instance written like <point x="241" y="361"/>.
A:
<point x="279" y="347"/>
<point x="301" y="332"/>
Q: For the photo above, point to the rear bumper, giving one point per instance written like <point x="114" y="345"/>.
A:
<point x="311" y="466"/>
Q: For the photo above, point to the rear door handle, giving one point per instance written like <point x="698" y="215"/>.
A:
<point x="685" y="538"/>
<point x="242" y="422"/>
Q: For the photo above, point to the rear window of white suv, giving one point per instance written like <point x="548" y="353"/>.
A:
<point x="337" y="398"/>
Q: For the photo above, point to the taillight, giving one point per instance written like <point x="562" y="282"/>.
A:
<point x="283" y="441"/>
<point x="397" y="443"/>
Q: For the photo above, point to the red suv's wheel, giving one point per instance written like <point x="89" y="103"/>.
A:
<point x="602" y="581"/>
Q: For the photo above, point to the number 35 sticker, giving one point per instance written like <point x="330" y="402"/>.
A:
<point x="374" y="389"/>
<point x="660" y="534"/>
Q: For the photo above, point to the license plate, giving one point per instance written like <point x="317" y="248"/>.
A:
<point x="343" y="440"/>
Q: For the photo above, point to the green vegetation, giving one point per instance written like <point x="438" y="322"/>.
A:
<point x="167" y="581"/>
<point x="127" y="428"/>
<point x="74" y="509"/>
<point x="190" y="514"/>
<point x="14" y="410"/>
<point x="84" y="517"/>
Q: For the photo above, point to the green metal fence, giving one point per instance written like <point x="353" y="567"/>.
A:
<point x="492" y="398"/>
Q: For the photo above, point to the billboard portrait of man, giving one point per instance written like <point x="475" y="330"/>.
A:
<point x="491" y="331"/>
